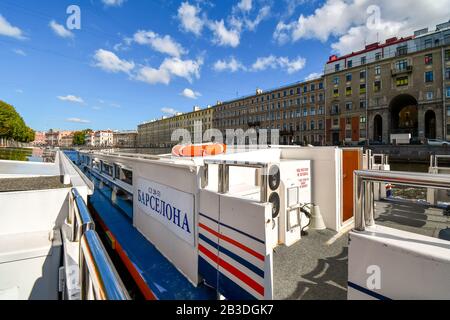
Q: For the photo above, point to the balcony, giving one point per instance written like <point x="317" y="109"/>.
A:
<point x="287" y="132"/>
<point x="397" y="71"/>
<point x="254" y="123"/>
<point x="335" y="112"/>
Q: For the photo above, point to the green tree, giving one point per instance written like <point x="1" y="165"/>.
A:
<point x="78" y="138"/>
<point x="12" y="125"/>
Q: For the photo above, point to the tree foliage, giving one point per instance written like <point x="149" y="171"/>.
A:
<point x="79" y="137"/>
<point x="12" y="125"/>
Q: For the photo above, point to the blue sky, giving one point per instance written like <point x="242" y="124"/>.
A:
<point x="135" y="60"/>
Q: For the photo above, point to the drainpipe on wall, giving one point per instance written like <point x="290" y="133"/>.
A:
<point x="444" y="115"/>
<point x="367" y="108"/>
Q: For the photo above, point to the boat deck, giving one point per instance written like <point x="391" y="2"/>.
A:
<point x="316" y="267"/>
<point x="33" y="183"/>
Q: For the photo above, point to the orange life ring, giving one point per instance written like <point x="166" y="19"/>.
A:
<point x="199" y="150"/>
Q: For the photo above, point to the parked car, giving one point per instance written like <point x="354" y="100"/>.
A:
<point x="438" y="142"/>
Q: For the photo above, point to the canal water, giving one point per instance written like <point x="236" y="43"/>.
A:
<point x="22" y="154"/>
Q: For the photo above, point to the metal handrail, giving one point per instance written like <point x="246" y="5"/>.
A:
<point x="80" y="218"/>
<point x="98" y="277"/>
<point x="434" y="159"/>
<point x="104" y="283"/>
<point x="363" y="180"/>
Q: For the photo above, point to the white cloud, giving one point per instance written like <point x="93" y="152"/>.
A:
<point x="20" y="52"/>
<point x="153" y="76"/>
<point x="189" y="18"/>
<point x="187" y="69"/>
<point x="170" y="67"/>
<point x="350" y="22"/>
<point x="231" y="65"/>
<point x="71" y="98"/>
<point x="224" y="36"/>
<point x="6" y="29"/>
<point x="191" y="94"/>
<point x="19" y="91"/>
<point x="60" y="30"/>
<point x="170" y="111"/>
<point x="113" y="3"/>
<point x="262" y="14"/>
<point x="312" y="76"/>
<point x="110" y="62"/>
<point x="77" y="120"/>
<point x="261" y="64"/>
<point x="274" y="62"/>
<point x="164" y="44"/>
<point x="245" y="5"/>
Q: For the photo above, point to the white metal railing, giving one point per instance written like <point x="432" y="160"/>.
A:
<point x="363" y="189"/>
<point x="98" y="277"/>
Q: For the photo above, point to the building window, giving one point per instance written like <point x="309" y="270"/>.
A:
<point x="362" y="119"/>
<point x="377" y="56"/>
<point x="313" y="111"/>
<point x="336" y="80"/>
<point x="429" y="95"/>
<point x="447" y="73"/>
<point x="363" y="60"/>
<point x="312" y="98"/>
<point x="401" y="65"/>
<point x="447" y="55"/>
<point x="362" y="104"/>
<point x="348" y="91"/>
<point x="313" y="87"/>
<point x="335" y="93"/>
<point x="377" y="70"/>
<point x="335" y="109"/>
<point x="320" y="85"/>
<point x="305" y="112"/>
<point x="320" y="123"/>
<point x="447" y="92"/>
<point x="401" y="81"/>
<point x="348" y="106"/>
<point x="429" y="76"/>
<point x="335" y="121"/>
<point x="291" y="92"/>
<point x="348" y="134"/>
<point x="349" y="63"/>
<point x="320" y="110"/>
<point x="429" y="59"/>
<point x="377" y="86"/>
<point x="362" y="74"/>
<point x="428" y="43"/>
<point x="336" y="67"/>
<point x="448" y="113"/>
<point x="402" y="50"/>
<point x="362" y="88"/>
<point x="312" y="124"/>
<point x="348" y="77"/>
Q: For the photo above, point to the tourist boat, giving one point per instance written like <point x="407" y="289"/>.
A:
<point x="266" y="223"/>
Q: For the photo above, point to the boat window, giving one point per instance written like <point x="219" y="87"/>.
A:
<point x="126" y="176"/>
<point x="106" y="168"/>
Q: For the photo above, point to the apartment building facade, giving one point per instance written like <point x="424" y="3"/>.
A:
<point x="124" y="139"/>
<point x="296" y="110"/>
<point x="158" y="133"/>
<point x="57" y="138"/>
<point x="400" y="86"/>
